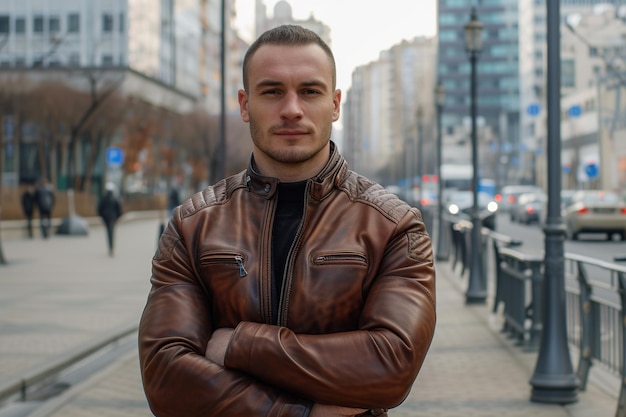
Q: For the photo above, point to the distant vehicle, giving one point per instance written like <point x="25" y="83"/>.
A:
<point x="460" y="176"/>
<point x="595" y="211"/>
<point x="462" y="202"/>
<point x="507" y="197"/>
<point x="529" y="208"/>
<point x="456" y="176"/>
<point x="566" y="197"/>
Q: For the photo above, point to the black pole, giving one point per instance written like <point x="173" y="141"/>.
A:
<point x="442" y="238"/>
<point x="221" y="154"/>
<point x="554" y="380"/>
<point x="476" y="290"/>
<point x="420" y="167"/>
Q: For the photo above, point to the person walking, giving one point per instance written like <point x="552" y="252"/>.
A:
<point x="28" y="206"/>
<point x="297" y="287"/>
<point x="110" y="210"/>
<point x="44" y="195"/>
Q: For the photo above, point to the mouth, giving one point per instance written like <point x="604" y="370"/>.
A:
<point x="290" y="133"/>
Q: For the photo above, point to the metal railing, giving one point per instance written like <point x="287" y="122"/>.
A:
<point x="595" y="294"/>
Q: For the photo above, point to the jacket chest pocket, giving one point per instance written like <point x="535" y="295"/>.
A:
<point x="335" y="259"/>
<point x="230" y="287"/>
<point x="339" y="271"/>
<point x="228" y="263"/>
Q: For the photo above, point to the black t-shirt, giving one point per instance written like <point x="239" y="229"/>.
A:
<point x="286" y="222"/>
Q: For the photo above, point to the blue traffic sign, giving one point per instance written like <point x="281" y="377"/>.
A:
<point x="591" y="170"/>
<point x="115" y="156"/>
<point x="575" y="111"/>
<point x="533" y="109"/>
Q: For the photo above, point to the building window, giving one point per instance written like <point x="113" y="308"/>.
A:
<point x="73" y="23"/>
<point x="20" y="25"/>
<point x="107" y="60"/>
<point x="74" y="60"/>
<point x="568" y="73"/>
<point x="107" y="23"/>
<point x="5" y="25"/>
<point x="54" y="24"/>
<point x="122" y="20"/>
<point x="38" y="24"/>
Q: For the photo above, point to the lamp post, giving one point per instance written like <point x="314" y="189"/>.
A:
<point x="442" y="237"/>
<point x="554" y="380"/>
<point x="476" y="290"/>
<point x="419" y="171"/>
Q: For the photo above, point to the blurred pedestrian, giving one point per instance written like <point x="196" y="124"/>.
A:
<point x="44" y="195"/>
<point x="296" y="287"/>
<point x="173" y="201"/>
<point x="110" y="210"/>
<point x="28" y="205"/>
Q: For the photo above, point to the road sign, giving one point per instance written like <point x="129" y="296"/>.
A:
<point x="533" y="109"/>
<point x="591" y="170"/>
<point x="574" y="111"/>
<point x="115" y="156"/>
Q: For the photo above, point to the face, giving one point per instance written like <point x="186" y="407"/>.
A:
<point x="290" y="106"/>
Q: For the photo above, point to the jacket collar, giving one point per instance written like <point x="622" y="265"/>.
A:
<point x="331" y="176"/>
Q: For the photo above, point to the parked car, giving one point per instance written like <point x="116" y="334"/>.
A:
<point x="529" y="207"/>
<point x="595" y="211"/>
<point x="462" y="202"/>
<point x="507" y="197"/>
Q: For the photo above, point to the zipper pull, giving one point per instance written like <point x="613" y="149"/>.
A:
<point x="242" y="269"/>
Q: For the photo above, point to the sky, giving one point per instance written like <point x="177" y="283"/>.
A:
<point x="360" y="29"/>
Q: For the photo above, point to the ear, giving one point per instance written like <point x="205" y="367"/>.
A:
<point x="336" y="104"/>
<point x="242" y="97"/>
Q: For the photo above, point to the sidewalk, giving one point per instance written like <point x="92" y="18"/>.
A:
<point x="471" y="369"/>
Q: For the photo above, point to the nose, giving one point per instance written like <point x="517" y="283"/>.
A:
<point x="292" y="108"/>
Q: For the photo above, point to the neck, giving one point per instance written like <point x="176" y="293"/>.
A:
<point x="291" y="172"/>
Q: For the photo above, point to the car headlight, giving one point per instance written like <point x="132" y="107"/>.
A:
<point x="492" y="207"/>
<point x="453" y="209"/>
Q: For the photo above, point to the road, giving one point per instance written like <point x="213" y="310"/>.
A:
<point x="592" y="245"/>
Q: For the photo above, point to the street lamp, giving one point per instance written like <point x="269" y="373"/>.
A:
<point x="554" y="380"/>
<point x="420" y="158"/>
<point x="476" y="290"/>
<point x="442" y="242"/>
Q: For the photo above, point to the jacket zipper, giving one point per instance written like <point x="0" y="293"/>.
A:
<point x="340" y="258"/>
<point x="283" y="303"/>
<point x="226" y="259"/>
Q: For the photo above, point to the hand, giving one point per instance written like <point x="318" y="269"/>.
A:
<point x="216" y="348"/>
<point x="324" y="410"/>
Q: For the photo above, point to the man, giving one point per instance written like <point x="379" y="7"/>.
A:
<point x="28" y="205"/>
<point x="45" y="203"/>
<point x="110" y="210"/>
<point x="297" y="287"/>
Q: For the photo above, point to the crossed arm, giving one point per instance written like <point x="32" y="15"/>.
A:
<point x="216" y="351"/>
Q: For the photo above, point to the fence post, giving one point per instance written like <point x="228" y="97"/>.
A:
<point x="536" y="281"/>
<point x="587" y="323"/>
<point x="621" y="403"/>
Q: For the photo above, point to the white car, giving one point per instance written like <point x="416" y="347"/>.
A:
<point x="595" y="211"/>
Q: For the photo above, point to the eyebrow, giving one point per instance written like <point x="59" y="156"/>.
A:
<point x="274" y="83"/>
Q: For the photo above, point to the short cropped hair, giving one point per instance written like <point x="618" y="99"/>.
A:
<point x="288" y="35"/>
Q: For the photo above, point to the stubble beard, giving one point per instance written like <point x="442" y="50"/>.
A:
<point x="287" y="155"/>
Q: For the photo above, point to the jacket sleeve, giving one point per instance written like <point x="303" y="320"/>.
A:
<point x="174" y="330"/>
<point x="372" y="367"/>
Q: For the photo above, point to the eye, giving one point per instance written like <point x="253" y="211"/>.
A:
<point x="270" y="91"/>
<point x="310" y="91"/>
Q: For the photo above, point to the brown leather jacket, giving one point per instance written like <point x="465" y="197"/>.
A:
<point x="357" y="312"/>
